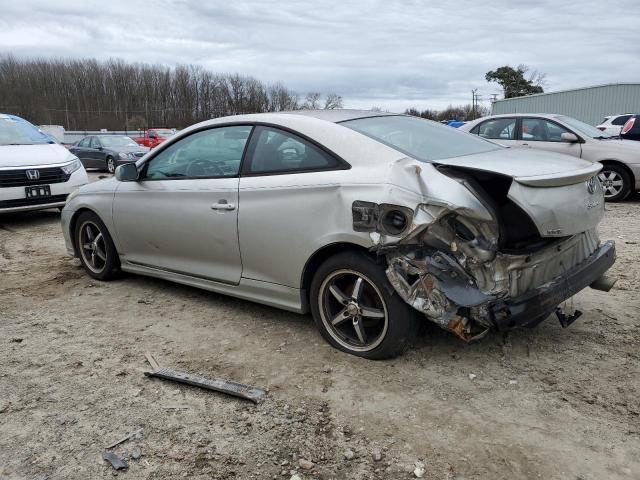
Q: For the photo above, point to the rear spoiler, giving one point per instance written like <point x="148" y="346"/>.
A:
<point x="558" y="180"/>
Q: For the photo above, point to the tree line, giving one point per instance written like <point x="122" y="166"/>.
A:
<point x="463" y="113"/>
<point x="89" y="94"/>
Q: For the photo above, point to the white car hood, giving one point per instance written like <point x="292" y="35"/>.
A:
<point x="33" y="155"/>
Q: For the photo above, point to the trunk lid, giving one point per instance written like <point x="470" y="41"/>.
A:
<point x="561" y="194"/>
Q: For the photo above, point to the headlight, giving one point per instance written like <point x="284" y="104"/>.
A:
<point x="71" y="167"/>
<point x="126" y="156"/>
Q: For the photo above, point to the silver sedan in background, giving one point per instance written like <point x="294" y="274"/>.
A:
<point x="372" y="221"/>
<point x="620" y="174"/>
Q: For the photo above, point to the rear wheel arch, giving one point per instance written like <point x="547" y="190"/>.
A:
<point x="318" y="258"/>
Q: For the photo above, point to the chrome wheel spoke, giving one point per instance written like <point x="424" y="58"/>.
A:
<point x="340" y="317"/>
<point x="337" y="293"/>
<point x="371" y="312"/>
<point x="86" y="246"/>
<point x="359" y="328"/>
<point x="89" y="233"/>
<point x="357" y="289"/>
<point x="100" y="254"/>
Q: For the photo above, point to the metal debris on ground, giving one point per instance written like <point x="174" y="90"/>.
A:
<point x="124" y="439"/>
<point x="248" y="392"/>
<point x="115" y="461"/>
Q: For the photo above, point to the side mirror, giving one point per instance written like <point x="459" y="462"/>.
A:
<point x="569" y="137"/>
<point x="127" y="173"/>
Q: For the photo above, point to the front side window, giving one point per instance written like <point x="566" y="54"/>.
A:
<point x="84" y="143"/>
<point x="95" y="143"/>
<point x="422" y="139"/>
<point x="279" y="151"/>
<point x="541" y="130"/>
<point x="213" y="153"/>
<point x="497" y="129"/>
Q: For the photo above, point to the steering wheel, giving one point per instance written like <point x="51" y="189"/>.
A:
<point x="201" y="167"/>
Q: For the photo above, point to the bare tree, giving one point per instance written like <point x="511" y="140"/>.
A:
<point x="333" y="101"/>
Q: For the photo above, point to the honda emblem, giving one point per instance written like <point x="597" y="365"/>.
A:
<point x="33" y="174"/>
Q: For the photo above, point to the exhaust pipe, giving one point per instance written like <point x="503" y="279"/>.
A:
<point x="604" y="283"/>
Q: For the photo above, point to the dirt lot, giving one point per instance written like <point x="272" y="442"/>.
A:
<point x="545" y="403"/>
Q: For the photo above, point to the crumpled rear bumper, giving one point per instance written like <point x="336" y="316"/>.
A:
<point x="536" y="305"/>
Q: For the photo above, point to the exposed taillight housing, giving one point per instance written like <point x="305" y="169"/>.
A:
<point x="628" y="126"/>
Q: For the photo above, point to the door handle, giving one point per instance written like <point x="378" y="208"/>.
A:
<point x="223" y="205"/>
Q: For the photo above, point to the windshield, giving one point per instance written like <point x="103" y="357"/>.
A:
<point x="583" y="128"/>
<point x="113" y="141"/>
<point x="16" y="131"/>
<point x="164" y="133"/>
<point x="422" y="139"/>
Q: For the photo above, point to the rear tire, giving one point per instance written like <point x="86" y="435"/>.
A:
<point x="616" y="182"/>
<point x="357" y="310"/>
<point x="95" y="247"/>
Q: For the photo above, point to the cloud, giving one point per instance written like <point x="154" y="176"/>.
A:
<point x="389" y="54"/>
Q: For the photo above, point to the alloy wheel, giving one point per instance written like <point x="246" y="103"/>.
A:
<point x="111" y="165"/>
<point x="92" y="247"/>
<point x="612" y="183"/>
<point x="353" y="310"/>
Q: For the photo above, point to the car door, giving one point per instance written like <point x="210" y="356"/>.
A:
<point x="81" y="150"/>
<point x="544" y="134"/>
<point x="96" y="154"/>
<point x="501" y="130"/>
<point x="288" y="196"/>
<point x="182" y="213"/>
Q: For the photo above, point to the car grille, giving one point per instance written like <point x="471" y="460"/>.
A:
<point x="26" y="202"/>
<point x="18" y="177"/>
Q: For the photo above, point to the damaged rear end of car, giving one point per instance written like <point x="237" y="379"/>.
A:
<point x="488" y="245"/>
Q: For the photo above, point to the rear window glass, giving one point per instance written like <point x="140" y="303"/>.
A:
<point x="422" y="139"/>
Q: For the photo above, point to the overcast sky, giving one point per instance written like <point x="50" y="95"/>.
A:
<point x="388" y="54"/>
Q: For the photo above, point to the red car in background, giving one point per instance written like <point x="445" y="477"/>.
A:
<point x="154" y="136"/>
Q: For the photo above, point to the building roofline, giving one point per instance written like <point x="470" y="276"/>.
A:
<point x="570" y="90"/>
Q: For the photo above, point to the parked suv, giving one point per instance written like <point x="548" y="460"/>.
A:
<point x="35" y="171"/>
<point x="620" y="174"/>
<point x="613" y="124"/>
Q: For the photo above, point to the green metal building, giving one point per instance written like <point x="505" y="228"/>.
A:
<point x="589" y="104"/>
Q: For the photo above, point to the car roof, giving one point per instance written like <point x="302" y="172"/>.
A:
<point x="338" y="115"/>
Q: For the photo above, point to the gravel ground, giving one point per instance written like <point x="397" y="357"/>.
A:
<point x="545" y="403"/>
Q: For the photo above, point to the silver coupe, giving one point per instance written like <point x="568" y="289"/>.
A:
<point x="371" y="221"/>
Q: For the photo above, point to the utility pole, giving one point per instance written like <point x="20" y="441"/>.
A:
<point x="474" y="103"/>
<point x="66" y="113"/>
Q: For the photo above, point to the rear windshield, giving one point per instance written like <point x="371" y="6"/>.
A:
<point x="422" y="139"/>
<point x="16" y="131"/>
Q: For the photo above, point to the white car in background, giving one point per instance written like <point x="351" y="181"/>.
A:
<point x="620" y="174"/>
<point x="612" y="124"/>
<point x="35" y="172"/>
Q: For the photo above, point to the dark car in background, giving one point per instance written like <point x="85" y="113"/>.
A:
<point x="631" y="129"/>
<point x="106" y="152"/>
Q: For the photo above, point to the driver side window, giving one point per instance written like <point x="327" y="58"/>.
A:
<point x="213" y="153"/>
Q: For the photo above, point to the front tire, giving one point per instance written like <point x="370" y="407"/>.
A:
<point x="95" y="247"/>
<point x="357" y="310"/>
<point x="616" y="183"/>
<point x="111" y="165"/>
